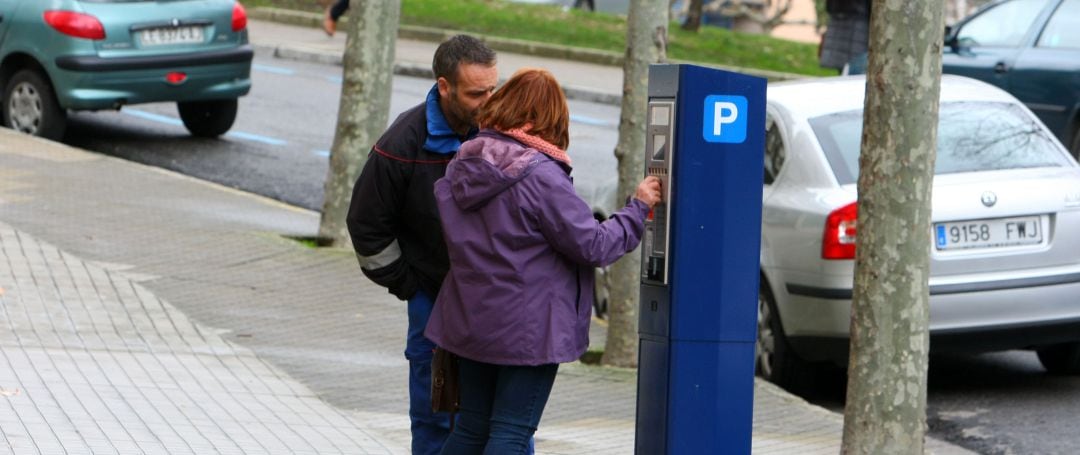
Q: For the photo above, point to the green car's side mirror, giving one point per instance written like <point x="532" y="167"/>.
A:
<point x="950" y="37"/>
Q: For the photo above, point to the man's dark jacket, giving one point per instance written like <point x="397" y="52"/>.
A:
<point x="393" y="220"/>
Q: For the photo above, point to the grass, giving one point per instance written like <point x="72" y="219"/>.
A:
<point x="309" y="242"/>
<point x="554" y="25"/>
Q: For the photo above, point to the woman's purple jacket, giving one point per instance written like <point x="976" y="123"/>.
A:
<point x="522" y="246"/>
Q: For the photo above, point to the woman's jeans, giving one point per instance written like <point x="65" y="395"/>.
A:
<point x="500" y="407"/>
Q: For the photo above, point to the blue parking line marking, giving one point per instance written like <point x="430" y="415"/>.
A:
<point x="176" y="122"/>
<point x="273" y="69"/>
<point x="255" y="137"/>
<point x="152" y="117"/>
<point x="590" y="121"/>
<point x="335" y="79"/>
<point x="322" y="153"/>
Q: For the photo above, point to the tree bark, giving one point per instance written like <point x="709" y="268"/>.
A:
<point x="646" y="39"/>
<point x="886" y="395"/>
<point x="364" y="108"/>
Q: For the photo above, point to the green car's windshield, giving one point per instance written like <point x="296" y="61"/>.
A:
<point x="972" y="137"/>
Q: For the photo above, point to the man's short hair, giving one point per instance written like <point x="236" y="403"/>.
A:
<point x="457" y="50"/>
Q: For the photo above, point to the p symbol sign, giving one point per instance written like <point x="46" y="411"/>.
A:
<point x="725" y="119"/>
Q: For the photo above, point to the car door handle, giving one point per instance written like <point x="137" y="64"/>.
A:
<point x="1001" y="68"/>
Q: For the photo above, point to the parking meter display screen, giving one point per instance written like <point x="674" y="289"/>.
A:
<point x="659" y="152"/>
<point x="661" y="116"/>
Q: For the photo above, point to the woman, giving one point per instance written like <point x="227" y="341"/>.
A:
<point x="518" y="298"/>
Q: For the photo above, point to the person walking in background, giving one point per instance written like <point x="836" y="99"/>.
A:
<point x="848" y="34"/>
<point x="333" y="13"/>
<point x="393" y="222"/>
<point x="587" y="5"/>
<point x="522" y="245"/>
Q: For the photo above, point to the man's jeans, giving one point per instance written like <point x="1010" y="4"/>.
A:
<point x="500" y="408"/>
<point x="429" y="430"/>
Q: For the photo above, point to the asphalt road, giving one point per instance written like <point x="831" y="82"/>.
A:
<point x="996" y="404"/>
<point x="1003" y="403"/>
<point x="1000" y="403"/>
<point x="280" y="144"/>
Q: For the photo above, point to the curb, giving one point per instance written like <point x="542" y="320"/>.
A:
<point x="421" y="71"/>
<point x="307" y="19"/>
<point x="314" y="20"/>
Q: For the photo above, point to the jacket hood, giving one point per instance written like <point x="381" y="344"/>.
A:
<point x="488" y="165"/>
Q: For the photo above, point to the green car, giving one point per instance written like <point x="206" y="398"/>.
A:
<point x="1030" y="48"/>
<point x="62" y="55"/>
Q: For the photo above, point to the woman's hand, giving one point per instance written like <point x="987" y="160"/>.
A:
<point x="648" y="191"/>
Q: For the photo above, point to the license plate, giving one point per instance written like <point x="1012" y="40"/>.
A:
<point x="992" y="233"/>
<point x="171" y="35"/>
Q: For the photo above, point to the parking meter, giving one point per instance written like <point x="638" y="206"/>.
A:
<point x="699" y="262"/>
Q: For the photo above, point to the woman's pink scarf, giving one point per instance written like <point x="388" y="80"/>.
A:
<point x="538" y="143"/>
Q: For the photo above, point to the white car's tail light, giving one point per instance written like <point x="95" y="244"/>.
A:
<point x="239" y="17"/>
<point x="840" y="230"/>
<point x="75" y="24"/>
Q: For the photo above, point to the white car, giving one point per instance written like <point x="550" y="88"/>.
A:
<point x="1005" y="263"/>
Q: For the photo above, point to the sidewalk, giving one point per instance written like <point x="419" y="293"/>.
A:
<point x="142" y="311"/>
<point x="146" y="312"/>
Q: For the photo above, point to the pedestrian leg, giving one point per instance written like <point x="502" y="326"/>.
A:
<point x="429" y="430"/>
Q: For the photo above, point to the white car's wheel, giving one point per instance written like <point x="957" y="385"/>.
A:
<point x="765" y="348"/>
<point x="600" y="293"/>
<point x="1061" y="358"/>
<point x="775" y="361"/>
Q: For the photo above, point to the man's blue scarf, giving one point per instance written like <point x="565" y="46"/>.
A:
<point x="440" y="138"/>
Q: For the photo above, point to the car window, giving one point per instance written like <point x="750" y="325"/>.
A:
<point x="1063" y="29"/>
<point x="775" y="152"/>
<point x="1001" y="26"/>
<point x="972" y="137"/>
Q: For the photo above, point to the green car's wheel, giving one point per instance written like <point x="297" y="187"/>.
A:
<point x="30" y="106"/>
<point x="208" y="118"/>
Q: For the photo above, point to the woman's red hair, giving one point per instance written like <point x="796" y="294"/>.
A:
<point x="532" y="96"/>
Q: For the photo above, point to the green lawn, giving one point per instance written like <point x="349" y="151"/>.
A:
<point x="551" y="24"/>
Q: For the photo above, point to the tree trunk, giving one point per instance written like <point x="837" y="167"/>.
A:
<point x="364" y="108"/>
<point x="646" y="39"/>
<point x="886" y="394"/>
<point x="693" y="15"/>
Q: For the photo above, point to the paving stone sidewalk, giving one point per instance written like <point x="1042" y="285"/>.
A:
<point x="147" y="312"/>
<point x="93" y="362"/>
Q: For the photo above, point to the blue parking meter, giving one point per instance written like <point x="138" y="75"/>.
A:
<point x="699" y="262"/>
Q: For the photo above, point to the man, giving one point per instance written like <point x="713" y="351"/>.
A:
<point x="393" y="220"/>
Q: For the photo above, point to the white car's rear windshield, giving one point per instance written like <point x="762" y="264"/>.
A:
<point x="972" y="137"/>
